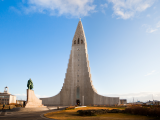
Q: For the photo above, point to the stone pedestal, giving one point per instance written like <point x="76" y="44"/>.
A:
<point x="32" y="100"/>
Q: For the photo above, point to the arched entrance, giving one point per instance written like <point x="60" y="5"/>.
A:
<point x="78" y="102"/>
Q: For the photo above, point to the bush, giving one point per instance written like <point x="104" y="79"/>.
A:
<point x="92" y="112"/>
<point x="143" y="111"/>
<point x="98" y="112"/>
<point x="13" y="104"/>
<point x="18" y="105"/>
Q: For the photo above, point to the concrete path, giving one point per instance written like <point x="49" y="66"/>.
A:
<point x="27" y="115"/>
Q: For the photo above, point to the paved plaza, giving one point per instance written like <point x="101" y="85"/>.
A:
<point x="27" y="115"/>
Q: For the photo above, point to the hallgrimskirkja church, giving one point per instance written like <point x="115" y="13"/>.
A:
<point x="77" y="87"/>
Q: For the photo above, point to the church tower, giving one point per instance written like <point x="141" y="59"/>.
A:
<point x="77" y="87"/>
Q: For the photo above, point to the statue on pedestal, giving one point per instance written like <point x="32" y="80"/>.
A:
<point x="32" y="100"/>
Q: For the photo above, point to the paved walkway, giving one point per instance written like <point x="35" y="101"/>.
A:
<point x="27" y="115"/>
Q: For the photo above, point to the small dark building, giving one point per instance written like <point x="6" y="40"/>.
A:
<point x="123" y="101"/>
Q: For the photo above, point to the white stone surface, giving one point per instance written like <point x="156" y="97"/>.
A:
<point x="12" y="99"/>
<point x="78" y="76"/>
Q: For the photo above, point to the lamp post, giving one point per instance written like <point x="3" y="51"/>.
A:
<point x="82" y="100"/>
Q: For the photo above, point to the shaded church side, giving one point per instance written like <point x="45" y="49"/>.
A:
<point x="77" y="87"/>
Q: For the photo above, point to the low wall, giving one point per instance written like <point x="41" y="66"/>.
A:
<point x="103" y="100"/>
<point x="55" y="100"/>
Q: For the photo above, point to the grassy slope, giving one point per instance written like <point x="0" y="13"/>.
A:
<point x="73" y="115"/>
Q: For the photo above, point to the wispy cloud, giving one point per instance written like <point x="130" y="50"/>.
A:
<point x="20" y="94"/>
<point x="41" y="96"/>
<point x="126" y="9"/>
<point x="15" y="10"/>
<point x="23" y="96"/>
<point x="151" y="29"/>
<point x="148" y="15"/>
<point x="103" y="6"/>
<point x="74" y="8"/>
<point x="151" y="73"/>
<point x="158" y="24"/>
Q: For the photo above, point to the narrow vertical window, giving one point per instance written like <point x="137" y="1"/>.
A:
<point x="75" y="42"/>
<point x="78" y="40"/>
<point x="77" y="92"/>
<point x="81" y="41"/>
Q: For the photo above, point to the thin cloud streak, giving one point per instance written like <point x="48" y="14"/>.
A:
<point x="24" y="96"/>
<point x="158" y="24"/>
<point x="151" y="73"/>
<point x="150" y="29"/>
<point x="20" y="94"/>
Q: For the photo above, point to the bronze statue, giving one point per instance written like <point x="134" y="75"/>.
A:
<point x="30" y="84"/>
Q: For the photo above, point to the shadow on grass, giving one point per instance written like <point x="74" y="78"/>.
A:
<point x="99" y="115"/>
<point x="150" y="117"/>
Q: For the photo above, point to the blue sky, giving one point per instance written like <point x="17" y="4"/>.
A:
<point x="123" y="39"/>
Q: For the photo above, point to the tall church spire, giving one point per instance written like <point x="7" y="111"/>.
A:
<point x="79" y="34"/>
<point x="77" y="87"/>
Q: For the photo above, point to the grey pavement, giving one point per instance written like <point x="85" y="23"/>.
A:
<point x="27" y="115"/>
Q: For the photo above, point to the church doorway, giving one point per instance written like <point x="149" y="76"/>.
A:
<point x="78" y="102"/>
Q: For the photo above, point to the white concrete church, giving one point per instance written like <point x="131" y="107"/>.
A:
<point x="77" y="87"/>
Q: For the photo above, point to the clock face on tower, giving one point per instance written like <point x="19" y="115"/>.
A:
<point x="78" y="49"/>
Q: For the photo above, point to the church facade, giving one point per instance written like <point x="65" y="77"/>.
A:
<point x="77" y="87"/>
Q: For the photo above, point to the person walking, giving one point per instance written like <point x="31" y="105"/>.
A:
<point x="4" y="106"/>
